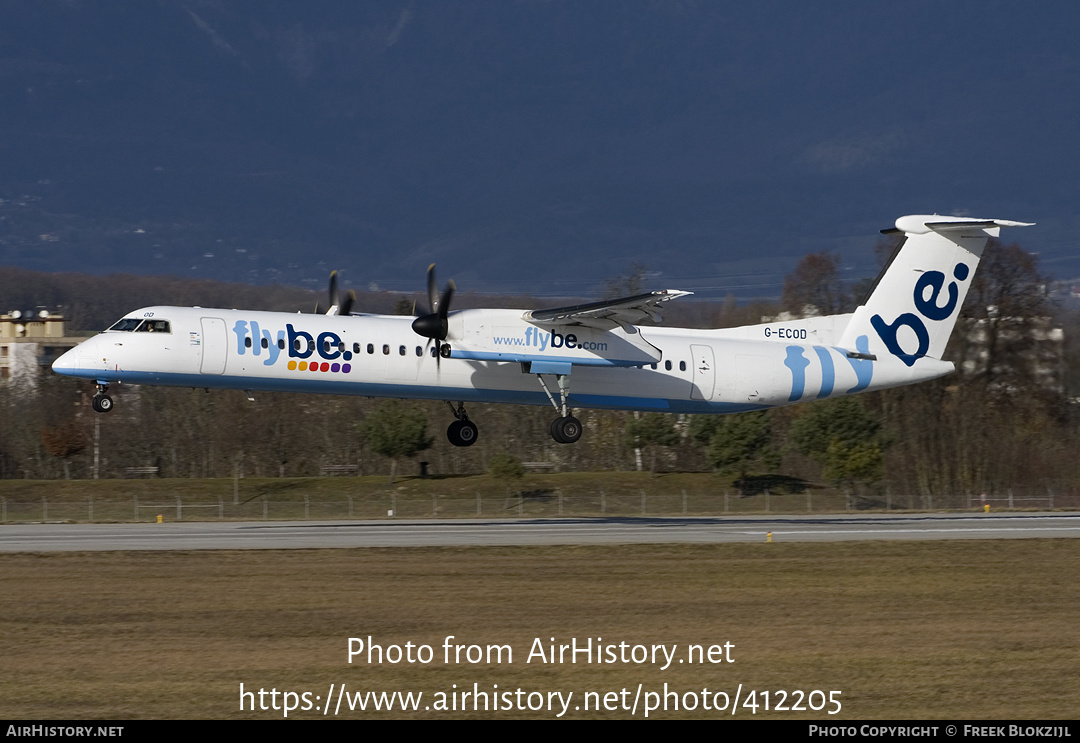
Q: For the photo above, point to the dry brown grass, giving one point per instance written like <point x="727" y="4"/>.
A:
<point x="905" y="630"/>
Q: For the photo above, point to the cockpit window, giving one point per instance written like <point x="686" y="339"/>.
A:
<point x="127" y="324"/>
<point x="140" y="325"/>
<point x="153" y="326"/>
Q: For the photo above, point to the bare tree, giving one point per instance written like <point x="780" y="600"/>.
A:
<point x="814" y="287"/>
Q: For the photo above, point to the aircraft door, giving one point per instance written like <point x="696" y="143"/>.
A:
<point x="215" y="342"/>
<point x="704" y="373"/>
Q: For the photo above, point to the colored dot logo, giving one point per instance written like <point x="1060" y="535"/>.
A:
<point x="316" y="367"/>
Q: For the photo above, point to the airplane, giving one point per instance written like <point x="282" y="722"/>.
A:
<point x="597" y="355"/>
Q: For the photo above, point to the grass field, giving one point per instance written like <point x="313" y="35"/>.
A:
<point x="971" y="629"/>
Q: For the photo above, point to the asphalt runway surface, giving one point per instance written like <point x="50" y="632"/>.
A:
<point x="46" y="537"/>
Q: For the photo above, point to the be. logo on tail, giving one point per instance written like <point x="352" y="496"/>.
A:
<point x="927" y="293"/>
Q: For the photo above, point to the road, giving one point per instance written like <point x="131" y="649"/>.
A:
<point x="504" y="532"/>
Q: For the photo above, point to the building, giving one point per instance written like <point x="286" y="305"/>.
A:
<point x="30" y="340"/>
<point x="1013" y="350"/>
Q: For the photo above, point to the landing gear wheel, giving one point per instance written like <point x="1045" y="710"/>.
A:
<point x="101" y="403"/>
<point x="462" y="433"/>
<point x="566" y="430"/>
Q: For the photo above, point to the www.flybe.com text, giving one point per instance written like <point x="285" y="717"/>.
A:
<point x="537" y="338"/>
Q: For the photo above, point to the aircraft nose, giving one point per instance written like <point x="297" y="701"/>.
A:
<point x="77" y="362"/>
<point x="67" y="362"/>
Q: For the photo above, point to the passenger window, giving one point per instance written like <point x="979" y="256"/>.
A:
<point x="386" y="349"/>
<point x="371" y="348"/>
<point x="265" y="343"/>
<point x="281" y="343"/>
<point x="682" y="366"/>
<point x="419" y="351"/>
<point x="247" y="341"/>
<point x="356" y="348"/>
<point x="401" y="350"/>
<point x="667" y="365"/>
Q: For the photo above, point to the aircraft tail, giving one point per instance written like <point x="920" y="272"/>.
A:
<point x="912" y="309"/>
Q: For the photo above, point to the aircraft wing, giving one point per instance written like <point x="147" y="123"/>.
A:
<point x="605" y="315"/>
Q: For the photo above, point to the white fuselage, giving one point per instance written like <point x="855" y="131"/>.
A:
<point x="495" y="356"/>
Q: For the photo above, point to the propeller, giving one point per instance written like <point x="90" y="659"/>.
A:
<point x="434" y="325"/>
<point x="337" y="307"/>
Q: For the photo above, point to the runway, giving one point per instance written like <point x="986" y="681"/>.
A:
<point x="520" y="532"/>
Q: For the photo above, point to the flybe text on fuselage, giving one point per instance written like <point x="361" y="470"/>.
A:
<point x="299" y="344"/>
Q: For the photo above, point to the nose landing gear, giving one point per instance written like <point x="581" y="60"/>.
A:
<point x="101" y="402"/>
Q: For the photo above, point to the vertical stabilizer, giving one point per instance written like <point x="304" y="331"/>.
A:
<point x="913" y="307"/>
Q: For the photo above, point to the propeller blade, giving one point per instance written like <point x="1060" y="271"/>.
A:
<point x="432" y="290"/>
<point x="444" y="302"/>
<point x="347" y="305"/>
<point x="334" y="300"/>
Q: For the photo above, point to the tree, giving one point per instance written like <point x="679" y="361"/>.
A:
<point x="396" y="431"/>
<point x="814" y="287"/>
<point x="737" y="443"/>
<point x="626" y="285"/>
<point x="1005" y="318"/>
<point x="652" y="431"/>
<point x="843" y="437"/>
<point x="507" y="467"/>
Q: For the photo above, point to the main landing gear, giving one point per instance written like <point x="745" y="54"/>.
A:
<point x="566" y="429"/>
<point x="462" y="432"/>
<point x="101" y="402"/>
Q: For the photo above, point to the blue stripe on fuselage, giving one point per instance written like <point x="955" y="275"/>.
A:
<point x="315" y="384"/>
